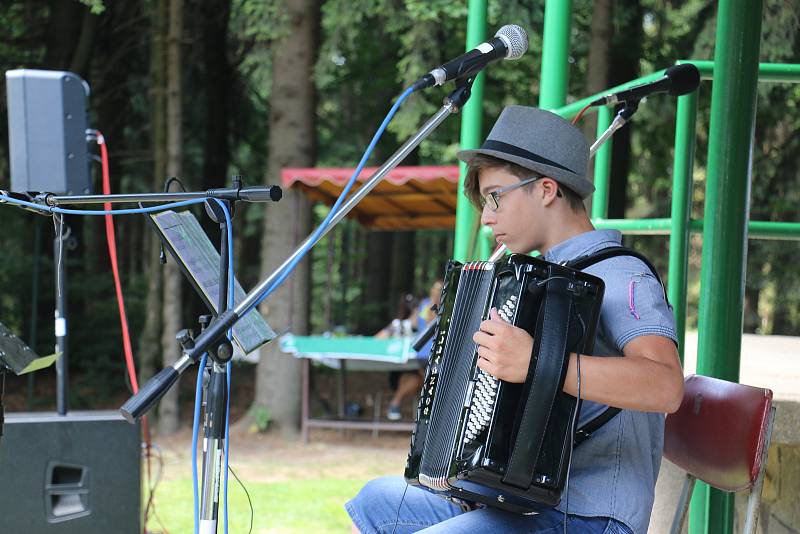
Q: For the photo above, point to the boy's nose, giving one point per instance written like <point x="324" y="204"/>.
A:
<point x="488" y="217"/>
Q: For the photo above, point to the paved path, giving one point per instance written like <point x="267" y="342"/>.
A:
<point x="767" y="361"/>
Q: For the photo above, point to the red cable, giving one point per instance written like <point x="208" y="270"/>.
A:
<point x="580" y="113"/>
<point x="123" y="319"/>
<point x="112" y="252"/>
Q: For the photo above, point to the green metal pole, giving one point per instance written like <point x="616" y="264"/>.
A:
<point x="681" y="211"/>
<point x="555" y="54"/>
<point x="730" y="147"/>
<point x="602" y="166"/>
<point x="466" y="216"/>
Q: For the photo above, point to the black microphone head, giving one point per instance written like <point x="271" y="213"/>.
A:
<point x="683" y="78"/>
<point x="515" y="39"/>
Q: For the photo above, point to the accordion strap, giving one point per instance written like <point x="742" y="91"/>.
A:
<point x="546" y="384"/>
<point x="585" y="432"/>
<point x="603" y="254"/>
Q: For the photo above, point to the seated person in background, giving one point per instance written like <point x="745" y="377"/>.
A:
<point x="402" y="325"/>
<point x="410" y="382"/>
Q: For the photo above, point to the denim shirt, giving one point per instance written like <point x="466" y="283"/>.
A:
<point x="614" y="472"/>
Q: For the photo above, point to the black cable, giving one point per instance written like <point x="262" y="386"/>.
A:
<point x="162" y="255"/>
<point x="151" y="505"/>
<point x="249" y="502"/>
<point x="2" y="394"/>
<point x="169" y="181"/>
<point x="397" y="517"/>
<point x="575" y="420"/>
<point x="572" y="438"/>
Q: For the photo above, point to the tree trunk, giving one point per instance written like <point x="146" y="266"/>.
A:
<point x="168" y="420"/>
<point x="597" y="79"/>
<point x="377" y="301"/>
<point x="149" y="340"/>
<point x="218" y="80"/>
<point x="626" y="51"/>
<point x="287" y="223"/>
<point x="63" y="33"/>
<point x="402" y="268"/>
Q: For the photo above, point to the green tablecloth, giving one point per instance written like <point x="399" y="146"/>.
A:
<point x="362" y="352"/>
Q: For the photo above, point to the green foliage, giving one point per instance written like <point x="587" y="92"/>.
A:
<point x="368" y="51"/>
<point x="97" y="7"/>
<point x="260" y="417"/>
<point x="371" y="50"/>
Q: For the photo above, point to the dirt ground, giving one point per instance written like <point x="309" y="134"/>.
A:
<point x="271" y="458"/>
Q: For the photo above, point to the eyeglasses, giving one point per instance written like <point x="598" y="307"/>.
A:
<point x="493" y="199"/>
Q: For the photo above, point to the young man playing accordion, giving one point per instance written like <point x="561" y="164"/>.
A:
<point x="528" y="179"/>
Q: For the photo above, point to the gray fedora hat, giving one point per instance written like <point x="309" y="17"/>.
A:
<point x="541" y="141"/>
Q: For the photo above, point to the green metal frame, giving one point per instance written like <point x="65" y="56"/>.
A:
<point x="679" y="225"/>
<point x="466" y="217"/>
<point x="726" y="225"/>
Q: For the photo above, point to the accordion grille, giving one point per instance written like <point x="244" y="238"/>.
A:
<point x="455" y="371"/>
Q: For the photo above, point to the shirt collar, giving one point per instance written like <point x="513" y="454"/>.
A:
<point x="583" y="244"/>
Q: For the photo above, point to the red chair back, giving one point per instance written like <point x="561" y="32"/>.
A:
<point x="718" y="433"/>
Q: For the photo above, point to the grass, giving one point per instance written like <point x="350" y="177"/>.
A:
<point x="287" y="506"/>
<point x="293" y="487"/>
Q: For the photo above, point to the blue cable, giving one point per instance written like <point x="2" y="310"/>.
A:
<point x="198" y="401"/>
<point x="288" y="271"/>
<point x="289" y="268"/>
<point x="199" y="388"/>
<point x="325" y="223"/>
<point x="229" y="365"/>
<point x="129" y="211"/>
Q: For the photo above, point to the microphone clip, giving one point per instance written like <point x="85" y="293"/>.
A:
<point x="458" y="98"/>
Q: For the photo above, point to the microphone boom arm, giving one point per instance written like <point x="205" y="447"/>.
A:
<point x="623" y="116"/>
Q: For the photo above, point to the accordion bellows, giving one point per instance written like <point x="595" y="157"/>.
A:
<point x="482" y="440"/>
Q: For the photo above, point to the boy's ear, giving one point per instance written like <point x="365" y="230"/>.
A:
<point x="549" y="190"/>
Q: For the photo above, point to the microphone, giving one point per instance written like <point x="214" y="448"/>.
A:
<point x="253" y="193"/>
<point x="677" y="80"/>
<point x="510" y="42"/>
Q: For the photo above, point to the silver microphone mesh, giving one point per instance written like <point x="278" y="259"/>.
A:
<point x="515" y="38"/>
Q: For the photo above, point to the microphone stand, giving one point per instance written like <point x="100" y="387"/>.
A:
<point x="213" y="337"/>
<point x="215" y="389"/>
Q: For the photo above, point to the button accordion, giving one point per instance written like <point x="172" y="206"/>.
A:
<point x="482" y="440"/>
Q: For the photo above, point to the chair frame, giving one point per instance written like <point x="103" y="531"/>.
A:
<point x="753" y="500"/>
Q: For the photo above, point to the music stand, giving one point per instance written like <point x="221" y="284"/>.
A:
<point x="18" y="357"/>
<point x="187" y="243"/>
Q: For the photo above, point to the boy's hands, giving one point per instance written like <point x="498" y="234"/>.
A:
<point x="504" y="351"/>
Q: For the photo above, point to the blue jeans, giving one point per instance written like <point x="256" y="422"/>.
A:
<point x="375" y="511"/>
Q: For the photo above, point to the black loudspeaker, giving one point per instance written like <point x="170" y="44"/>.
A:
<point x="72" y="474"/>
<point x="47" y="131"/>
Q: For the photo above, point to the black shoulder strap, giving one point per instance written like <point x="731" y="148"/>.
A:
<point x="583" y="262"/>
<point x="580" y="263"/>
